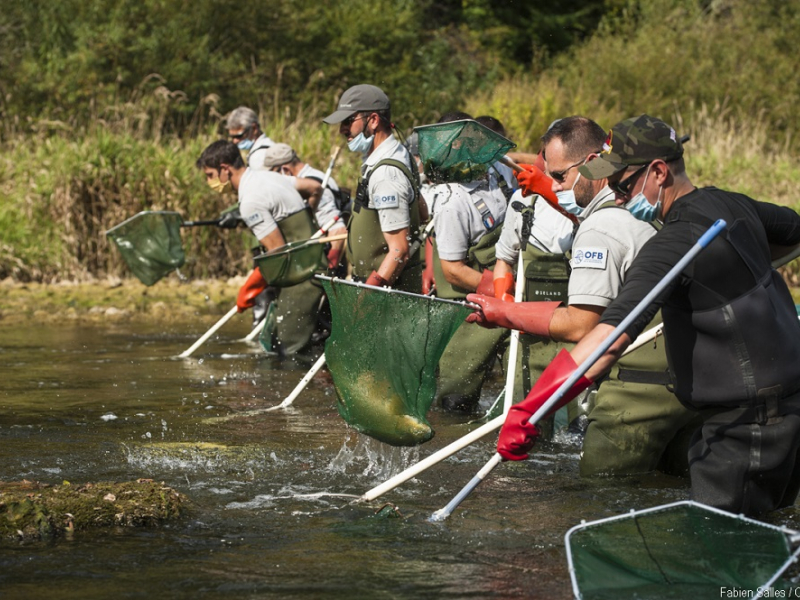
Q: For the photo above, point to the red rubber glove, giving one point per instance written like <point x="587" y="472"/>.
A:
<point x="503" y="287"/>
<point x="529" y="317"/>
<point x="254" y="285"/>
<point x="518" y="436"/>
<point x="375" y="279"/>
<point x="486" y="284"/>
<point x="428" y="280"/>
<point x="532" y="180"/>
<point x="334" y="255"/>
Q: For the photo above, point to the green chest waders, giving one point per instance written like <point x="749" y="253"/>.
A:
<point x="297" y="306"/>
<point x="471" y="353"/>
<point x="366" y="246"/>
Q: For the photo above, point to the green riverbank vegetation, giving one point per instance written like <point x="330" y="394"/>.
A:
<point x="105" y="106"/>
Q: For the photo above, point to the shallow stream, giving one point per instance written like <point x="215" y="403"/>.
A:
<point x="269" y="517"/>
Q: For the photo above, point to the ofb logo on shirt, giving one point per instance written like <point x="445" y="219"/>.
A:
<point x="385" y="201"/>
<point x="589" y="258"/>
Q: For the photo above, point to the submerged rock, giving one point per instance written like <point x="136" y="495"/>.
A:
<point x="33" y="511"/>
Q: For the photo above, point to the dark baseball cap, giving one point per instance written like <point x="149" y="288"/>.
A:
<point x="358" y="98"/>
<point x="635" y="141"/>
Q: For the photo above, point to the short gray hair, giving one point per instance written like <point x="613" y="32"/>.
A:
<point x="241" y="117"/>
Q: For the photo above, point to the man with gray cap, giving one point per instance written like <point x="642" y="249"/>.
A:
<point x="326" y="203"/>
<point x="387" y="207"/>
<point x="732" y="333"/>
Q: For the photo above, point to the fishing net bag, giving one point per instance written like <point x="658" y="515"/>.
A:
<point x="291" y="264"/>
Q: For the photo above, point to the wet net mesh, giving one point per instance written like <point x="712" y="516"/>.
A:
<point x="292" y="264"/>
<point x="150" y="244"/>
<point x="459" y="151"/>
<point x="382" y="354"/>
<point x="684" y="550"/>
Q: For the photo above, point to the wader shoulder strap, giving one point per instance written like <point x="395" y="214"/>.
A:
<point x="362" y="192"/>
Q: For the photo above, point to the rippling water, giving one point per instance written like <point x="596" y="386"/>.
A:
<point x="271" y="513"/>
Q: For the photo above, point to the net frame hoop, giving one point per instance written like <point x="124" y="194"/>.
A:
<point x="139" y="214"/>
<point x="793" y="536"/>
<point x="338" y="280"/>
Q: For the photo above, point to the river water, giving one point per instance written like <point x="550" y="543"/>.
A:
<point x="269" y="514"/>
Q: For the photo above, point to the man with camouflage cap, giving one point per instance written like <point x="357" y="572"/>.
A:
<point x="733" y="337"/>
<point x="387" y="208"/>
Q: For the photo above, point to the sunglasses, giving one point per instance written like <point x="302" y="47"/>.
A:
<point x="241" y="135"/>
<point x="560" y="176"/>
<point x="350" y="120"/>
<point x="623" y="186"/>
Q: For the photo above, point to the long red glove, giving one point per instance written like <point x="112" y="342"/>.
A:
<point x="428" y="279"/>
<point x="375" y="279"/>
<point x="530" y="317"/>
<point x="503" y="287"/>
<point x="334" y="254"/>
<point x="254" y="285"/>
<point x="518" y="436"/>
<point x="486" y="284"/>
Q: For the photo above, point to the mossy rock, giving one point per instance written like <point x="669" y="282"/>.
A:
<point x="33" y="511"/>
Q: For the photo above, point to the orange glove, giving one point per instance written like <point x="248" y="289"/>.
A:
<point x="518" y="436"/>
<point x="254" y="285"/>
<point x="532" y="180"/>
<point x="486" y="284"/>
<point x="529" y="317"/>
<point x="334" y="254"/>
<point x="375" y="279"/>
<point x="503" y="286"/>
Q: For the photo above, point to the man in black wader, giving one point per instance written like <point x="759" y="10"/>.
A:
<point x="468" y="219"/>
<point x="732" y="333"/>
<point x="636" y="424"/>
<point x="388" y="207"/>
<point x="276" y="214"/>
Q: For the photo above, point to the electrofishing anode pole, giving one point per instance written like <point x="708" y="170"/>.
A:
<point x="706" y="239"/>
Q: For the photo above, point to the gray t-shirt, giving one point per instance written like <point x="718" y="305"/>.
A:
<point x="255" y="158"/>
<point x="265" y="198"/>
<point x="458" y="223"/>
<point x="605" y="245"/>
<point x="390" y="191"/>
<point x="550" y="230"/>
<point x="326" y="209"/>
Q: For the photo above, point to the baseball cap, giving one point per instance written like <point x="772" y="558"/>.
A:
<point x="635" y="141"/>
<point x="356" y="99"/>
<point x="278" y="154"/>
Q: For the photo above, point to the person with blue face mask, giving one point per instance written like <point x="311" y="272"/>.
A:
<point x="245" y="132"/>
<point x="636" y="424"/>
<point x="388" y="207"/>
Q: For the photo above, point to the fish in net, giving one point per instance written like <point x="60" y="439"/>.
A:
<point x="382" y="354"/>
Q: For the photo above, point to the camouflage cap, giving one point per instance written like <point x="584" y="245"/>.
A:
<point x="635" y="141"/>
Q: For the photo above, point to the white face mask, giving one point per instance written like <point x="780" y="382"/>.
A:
<point x="360" y="143"/>
<point x="640" y="207"/>
<point x="566" y="199"/>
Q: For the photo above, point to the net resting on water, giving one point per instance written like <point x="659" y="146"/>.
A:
<point x="382" y="354"/>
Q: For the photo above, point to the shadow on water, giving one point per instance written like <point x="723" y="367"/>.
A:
<point x="271" y="513"/>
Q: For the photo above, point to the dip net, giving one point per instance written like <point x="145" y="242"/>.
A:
<point x="150" y="244"/>
<point x="382" y="353"/>
<point x="291" y="264"/>
<point x="459" y="151"/>
<point x="681" y="550"/>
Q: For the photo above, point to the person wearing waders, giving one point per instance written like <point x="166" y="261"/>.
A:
<point x="731" y="328"/>
<point x="327" y="207"/>
<point x="387" y="209"/>
<point x="636" y="424"/>
<point x="466" y="225"/>
<point x="276" y="214"/>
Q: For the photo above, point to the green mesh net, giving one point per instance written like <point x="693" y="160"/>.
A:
<point x="459" y="151"/>
<point x="382" y="354"/>
<point x="291" y="264"/>
<point x="681" y="550"/>
<point x="150" y="244"/>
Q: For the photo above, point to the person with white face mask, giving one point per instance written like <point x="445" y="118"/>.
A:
<point x="388" y="207"/>
<point x="636" y="424"/>
<point x="245" y="132"/>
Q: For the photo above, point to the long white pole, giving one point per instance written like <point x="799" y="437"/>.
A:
<point x="187" y="353"/>
<point x="513" y="344"/>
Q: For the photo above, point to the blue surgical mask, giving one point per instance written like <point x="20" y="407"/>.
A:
<point x="245" y="145"/>
<point x="360" y="143"/>
<point x="640" y="207"/>
<point x="566" y="199"/>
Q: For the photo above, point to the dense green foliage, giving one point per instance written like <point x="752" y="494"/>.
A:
<point x="105" y="105"/>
